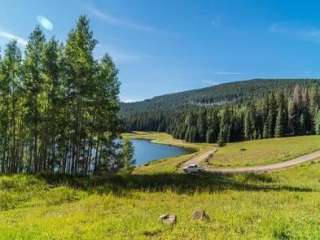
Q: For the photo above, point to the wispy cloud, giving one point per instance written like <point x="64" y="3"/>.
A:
<point x="123" y="58"/>
<point x="45" y="23"/>
<point x="120" y="56"/>
<point x="120" y="21"/>
<point x="307" y="33"/>
<point x="216" y="22"/>
<point x="10" y="36"/>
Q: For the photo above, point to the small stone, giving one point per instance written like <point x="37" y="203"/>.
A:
<point x="163" y="216"/>
<point x="169" y="219"/>
<point x="200" y="215"/>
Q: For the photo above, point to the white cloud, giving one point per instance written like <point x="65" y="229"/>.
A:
<point x="45" y="23"/>
<point x="123" y="58"/>
<point x="307" y="33"/>
<point x="120" y="22"/>
<point x="120" y="56"/>
<point x="10" y="36"/>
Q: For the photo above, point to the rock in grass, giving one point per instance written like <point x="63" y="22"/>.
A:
<point x="169" y="219"/>
<point x="200" y="215"/>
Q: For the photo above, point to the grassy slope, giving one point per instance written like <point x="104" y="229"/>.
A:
<point x="264" y="151"/>
<point x="273" y="206"/>
<point x="279" y="205"/>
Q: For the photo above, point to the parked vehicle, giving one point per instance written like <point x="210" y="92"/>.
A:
<point x="192" y="168"/>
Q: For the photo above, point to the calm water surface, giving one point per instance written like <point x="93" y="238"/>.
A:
<point x="146" y="151"/>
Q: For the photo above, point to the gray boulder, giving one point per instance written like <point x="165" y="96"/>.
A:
<point x="200" y="215"/>
<point x="169" y="219"/>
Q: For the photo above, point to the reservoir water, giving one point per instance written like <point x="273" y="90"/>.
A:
<point x="146" y="151"/>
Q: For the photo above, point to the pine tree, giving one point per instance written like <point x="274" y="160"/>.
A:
<point x="222" y="136"/>
<point x="295" y="111"/>
<point x="210" y="136"/>
<point x="191" y="130"/>
<point x="272" y="115"/>
<point x="224" y="133"/>
<point x="213" y="127"/>
<point x="202" y="125"/>
<point x="266" y="122"/>
<point x="249" y="123"/>
<point x="247" y="126"/>
<point x="306" y="126"/>
<point x="281" y="117"/>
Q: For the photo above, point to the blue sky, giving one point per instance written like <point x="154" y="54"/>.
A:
<point x="173" y="45"/>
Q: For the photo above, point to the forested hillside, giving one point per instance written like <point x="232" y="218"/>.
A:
<point x="217" y="95"/>
<point x="237" y="111"/>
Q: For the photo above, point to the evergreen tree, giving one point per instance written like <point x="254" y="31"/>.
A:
<point x="213" y="127"/>
<point x="222" y="136"/>
<point x="202" y="125"/>
<point x="295" y="111"/>
<point x="224" y="133"/>
<point x="272" y="115"/>
<point x="307" y="123"/>
<point x="280" y="112"/>
<point x="249" y="123"/>
<point x="266" y="122"/>
<point x="281" y="117"/>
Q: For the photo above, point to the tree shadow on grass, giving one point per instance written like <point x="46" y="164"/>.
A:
<point x="179" y="183"/>
<point x="258" y="178"/>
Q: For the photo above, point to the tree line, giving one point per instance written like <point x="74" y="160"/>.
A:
<point x="59" y="106"/>
<point x="279" y="113"/>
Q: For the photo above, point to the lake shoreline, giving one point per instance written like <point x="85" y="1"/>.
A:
<point x="148" y="151"/>
<point x="171" y="164"/>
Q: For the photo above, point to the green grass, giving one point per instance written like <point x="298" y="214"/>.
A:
<point x="266" y="151"/>
<point x="278" y="205"/>
<point x="273" y="206"/>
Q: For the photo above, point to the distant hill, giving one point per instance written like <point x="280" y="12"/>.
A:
<point x="216" y="95"/>
<point x="245" y="110"/>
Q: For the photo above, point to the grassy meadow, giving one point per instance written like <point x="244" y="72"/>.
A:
<point x="264" y="151"/>
<point x="278" y="205"/>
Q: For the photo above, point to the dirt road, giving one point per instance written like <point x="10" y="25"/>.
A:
<point x="200" y="158"/>
<point x="254" y="169"/>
